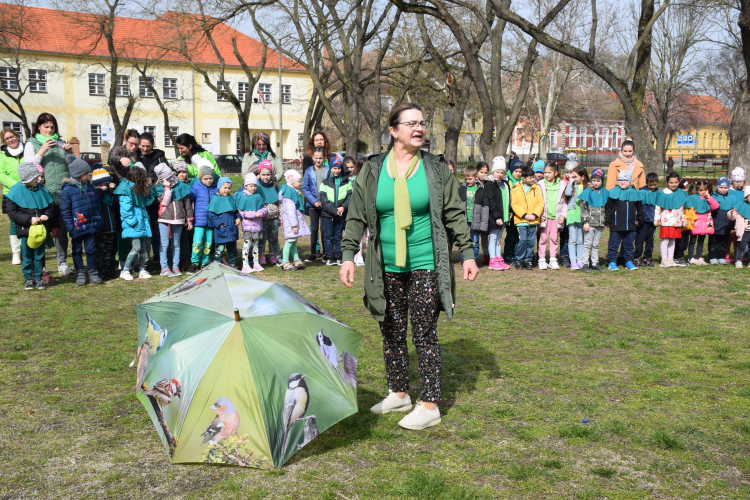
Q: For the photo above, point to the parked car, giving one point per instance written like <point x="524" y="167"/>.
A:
<point x="556" y="157"/>
<point x="91" y="158"/>
<point x="342" y="154"/>
<point x="229" y="164"/>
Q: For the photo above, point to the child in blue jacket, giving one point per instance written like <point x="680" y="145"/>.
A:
<point x="201" y="194"/>
<point x="82" y="215"/>
<point x="225" y="220"/>
<point x="134" y="195"/>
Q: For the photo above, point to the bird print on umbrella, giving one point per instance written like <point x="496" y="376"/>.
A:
<point x="331" y="353"/>
<point x="155" y="335"/>
<point x="225" y="424"/>
<point x="164" y="390"/>
<point x="296" y="401"/>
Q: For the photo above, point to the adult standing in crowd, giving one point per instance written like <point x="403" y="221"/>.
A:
<point x="11" y="155"/>
<point x="188" y="148"/>
<point x="626" y="160"/>
<point x="124" y="156"/>
<point x="45" y="148"/>
<point x="150" y="159"/>
<point x="262" y="151"/>
<point x="319" y="139"/>
<point x="313" y="208"/>
<point x="409" y="202"/>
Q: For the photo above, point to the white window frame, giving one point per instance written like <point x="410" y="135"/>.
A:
<point x="573" y="137"/>
<point x="167" y="140"/>
<point x="95" y="137"/>
<point x="286" y="94"/>
<point x="220" y="86"/>
<point x="9" y="79"/>
<point x="170" y="92"/>
<point x="143" y="90"/>
<point x="243" y="88"/>
<point x="38" y="81"/>
<point x="122" y="82"/>
<point x="266" y="90"/>
<point x="16" y="127"/>
<point x="582" y="135"/>
<point x="96" y="83"/>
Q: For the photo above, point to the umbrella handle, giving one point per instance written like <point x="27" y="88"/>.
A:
<point x="236" y="314"/>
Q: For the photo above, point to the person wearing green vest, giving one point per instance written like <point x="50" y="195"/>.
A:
<point x="11" y="154"/>
<point x="409" y="202"/>
<point x="45" y="148"/>
<point x="262" y="151"/>
<point x="189" y="149"/>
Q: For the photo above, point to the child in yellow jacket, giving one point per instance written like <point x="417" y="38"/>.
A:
<point x="527" y="202"/>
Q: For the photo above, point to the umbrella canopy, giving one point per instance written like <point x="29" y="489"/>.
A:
<point x="237" y="370"/>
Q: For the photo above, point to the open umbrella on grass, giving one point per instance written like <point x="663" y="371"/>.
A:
<point x="237" y="370"/>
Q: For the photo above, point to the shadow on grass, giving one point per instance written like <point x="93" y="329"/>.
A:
<point x="464" y="360"/>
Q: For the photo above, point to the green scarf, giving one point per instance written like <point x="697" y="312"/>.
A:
<point x="261" y="156"/>
<point x="629" y="194"/>
<point x="107" y="198"/>
<point x="24" y="197"/>
<point x="221" y="204"/>
<point x="700" y="205"/>
<point x="249" y="202"/>
<point x="671" y="201"/>
<point x="648" y="197"/>
<point x="179" y="190"/>
<point x="743" y="208"/>
<point x="401" y="203"/>
<point x="594" y="198"/>
<point x="43" y="138"/>
<point x="725" y="201"/>
<point x="125" y="188"/>
<point x="268" y="192"/>
<point x="290" y="193"/>
<point x="513" y="181"/>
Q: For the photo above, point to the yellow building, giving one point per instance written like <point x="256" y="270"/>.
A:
<point x="708" y="121"/>
<point x="75" y="88"/>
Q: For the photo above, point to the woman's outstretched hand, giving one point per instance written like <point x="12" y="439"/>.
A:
<point x="346" y="273"/>
<point x="470" y="269"/>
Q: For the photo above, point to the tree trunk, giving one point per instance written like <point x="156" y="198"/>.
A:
<point x="352" y="134"/>
<point x="377" y="147"/>
<point x="739" y="153"/>
<point x="244" y="131"/>
<point x="635" y="127"/>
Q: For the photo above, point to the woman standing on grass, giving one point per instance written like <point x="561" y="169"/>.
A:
<point x="262" y="151"/>
<point x="626" y="160"/>
<point x="409" y="202"/>
<point x="11" y="155"/>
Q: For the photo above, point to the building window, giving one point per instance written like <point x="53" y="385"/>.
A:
<point x="145" y="86"/>
<point x="9" y="78"/>
<point x="265" y="91"/>
<point x="151" y="130"/>
<point x="220" y="86"/>
<point x="96" y="135"/>
<point x="169" y="87"/>
<point x="614" y="139"/>
<point x="167" y="140"/>
<point x="16" y="127"/>
<point x="553" y="137"/>
<point x="122" y="88"/>
<point x="238" y="144"/>
<point x="286" y="95"/>
<point x="38" y="80"/>
<point x="96" y="84"/>
<point x="572" y="137"/>
<point x="582" y="142"/>
<point x="242" y="90"/>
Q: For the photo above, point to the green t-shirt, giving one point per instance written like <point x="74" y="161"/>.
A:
<point x="471" y="192"/>
<point x="574" y="215"/>
<point x="419" y="251"/>
<point x="553" y="191"/>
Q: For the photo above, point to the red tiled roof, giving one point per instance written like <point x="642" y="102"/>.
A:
<point x="63" y="32"/>
<point x="704" y="109"/>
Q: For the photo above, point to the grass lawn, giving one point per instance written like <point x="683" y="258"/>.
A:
<point x="657" y="361"/>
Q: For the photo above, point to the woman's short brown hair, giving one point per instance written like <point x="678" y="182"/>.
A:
<point x="395" y="117"/>
<point x="5" y="131"/>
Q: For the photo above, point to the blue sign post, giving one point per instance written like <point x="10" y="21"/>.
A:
<point x="684" y="140"/>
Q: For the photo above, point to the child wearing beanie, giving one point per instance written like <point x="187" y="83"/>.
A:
<point x="269" y="190"/>
<point x="503" y="197"/>
<point x="741" y="215"/>
<point x="593" y="203"/>
<point x="717" y="242"/>
<point x="334" y="195"/>
<point x="81" y="213"/>
<point x="134" y="196"/>
<point x="623" y="216"/>
<point x="736" y="192"/>
<point x="225" y="220"/>
<point x="644" y="236"/>
<point x="293" y="216"/>
<point x="538" y="167"/>
<point x="105" y="240"/>
<point x="200" y="195"/>
<point x="175" y="212"/>
<point x="252" y="210"/>
<point x="29" y="204"/>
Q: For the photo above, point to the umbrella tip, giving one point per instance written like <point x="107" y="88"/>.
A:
<point x="236" y="314"/>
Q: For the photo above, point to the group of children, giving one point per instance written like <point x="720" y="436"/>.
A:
<point x="541" y="207"/>
<point x="200" y="213"/>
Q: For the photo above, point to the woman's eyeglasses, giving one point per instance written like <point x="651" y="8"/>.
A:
<point x="414" y="124"/>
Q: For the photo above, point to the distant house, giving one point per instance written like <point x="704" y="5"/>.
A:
<point x="707" y="120"/>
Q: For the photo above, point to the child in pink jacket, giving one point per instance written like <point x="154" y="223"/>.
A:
<point x="702" y="202"/>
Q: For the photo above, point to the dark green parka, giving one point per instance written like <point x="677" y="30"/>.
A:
<point x="448" y="224"/>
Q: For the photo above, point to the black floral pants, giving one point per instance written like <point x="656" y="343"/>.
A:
<point x="414" y="293"/>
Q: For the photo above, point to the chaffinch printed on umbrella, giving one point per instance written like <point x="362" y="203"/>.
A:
<point x="225" y="424"/>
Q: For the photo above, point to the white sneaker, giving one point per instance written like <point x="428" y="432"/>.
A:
<point x="723" y="262"/>
<point x="358" y="260"/>
<point x="738" y="264"/>
<point x="126" y="275"/>
<point x="543" y="264"/>
<point x="64" y="269"/>
<point x="553" y="263"/>
<point x="392" y="403"/>
<point x="715" y="262"/>
<point x="16" y="258"/>
<point x="420" y="418"/>
<point x="144" y="275"/>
